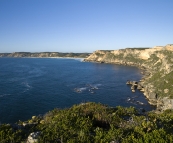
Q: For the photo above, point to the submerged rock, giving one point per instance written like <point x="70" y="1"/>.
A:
<point x="141" y="103"/>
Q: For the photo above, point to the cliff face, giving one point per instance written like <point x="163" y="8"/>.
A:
<point x="45" y="54"/>
<point x="157" y="62"/>
<point x="122" y="55"/>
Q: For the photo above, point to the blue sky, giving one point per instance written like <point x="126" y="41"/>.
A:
<point x="84" y="25"/>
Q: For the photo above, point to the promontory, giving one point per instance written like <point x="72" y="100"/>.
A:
<point x="157" y="66"/>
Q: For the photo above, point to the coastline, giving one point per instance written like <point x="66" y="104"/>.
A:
<point x="51" y="57"/>
<point x="126" y="119"/>
<point x="157" y="68"/>
<point x="48" y="57"/>
<point x="144" y="73"/>
<point x="155" y="61"/>
<point x="44" y="55"/>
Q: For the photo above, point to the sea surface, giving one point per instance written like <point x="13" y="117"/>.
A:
<point x="34" y="86"/>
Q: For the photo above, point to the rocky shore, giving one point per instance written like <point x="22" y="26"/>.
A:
<point x="156" y="65"/>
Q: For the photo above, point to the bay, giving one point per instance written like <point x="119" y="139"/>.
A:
<point x="33" y="86"/>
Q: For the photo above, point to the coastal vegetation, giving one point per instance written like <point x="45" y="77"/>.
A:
<point x="93" y="122"/>
<point x="162" y="71"/>
<point x="140" y="48"/>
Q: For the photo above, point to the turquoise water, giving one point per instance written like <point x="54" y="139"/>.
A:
<point x="33" y="86"/>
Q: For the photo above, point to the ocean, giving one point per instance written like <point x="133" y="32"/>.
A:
<point x="34" y="86"/>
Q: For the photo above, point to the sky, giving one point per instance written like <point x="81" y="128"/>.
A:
<point x="84" y="25"/>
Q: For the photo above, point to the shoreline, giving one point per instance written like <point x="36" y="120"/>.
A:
<point x="144" y="74"/>
<point x="157" y="62"/>
<point x="44" y="55"/>
<point x="47" y="57"/>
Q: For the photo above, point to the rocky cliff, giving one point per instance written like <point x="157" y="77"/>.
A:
<point x="45" y="54"/>
<point x="157" y="66"/>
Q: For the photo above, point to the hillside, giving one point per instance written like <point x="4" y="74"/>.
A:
<point x="157" y="66"/>
<point x="92" y="123"/>
<point x="44" y="54"/>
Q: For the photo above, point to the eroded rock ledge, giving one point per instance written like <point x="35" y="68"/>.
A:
<point x="156" y="64"/>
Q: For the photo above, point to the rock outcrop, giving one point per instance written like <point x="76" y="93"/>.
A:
<point x="157" y="69"/>
<point x="168" y="47"/>
<point x="33" y="137"/>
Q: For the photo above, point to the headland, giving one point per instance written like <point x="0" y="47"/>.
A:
<point x="157" y="69"/>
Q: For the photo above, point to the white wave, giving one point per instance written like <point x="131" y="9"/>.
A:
<point x="88" y="87"/>
<point x="97" y="84"/>
<point x="80" y="89"/>
<point x="83" y="88"/>
<point x="94" y="86"/>
<point x="139" y="102"/>
<point x="79" y="59"/>
<point x="26" y="84"/>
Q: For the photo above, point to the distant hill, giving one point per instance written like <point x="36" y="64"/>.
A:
<point x="45" y="54"/>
